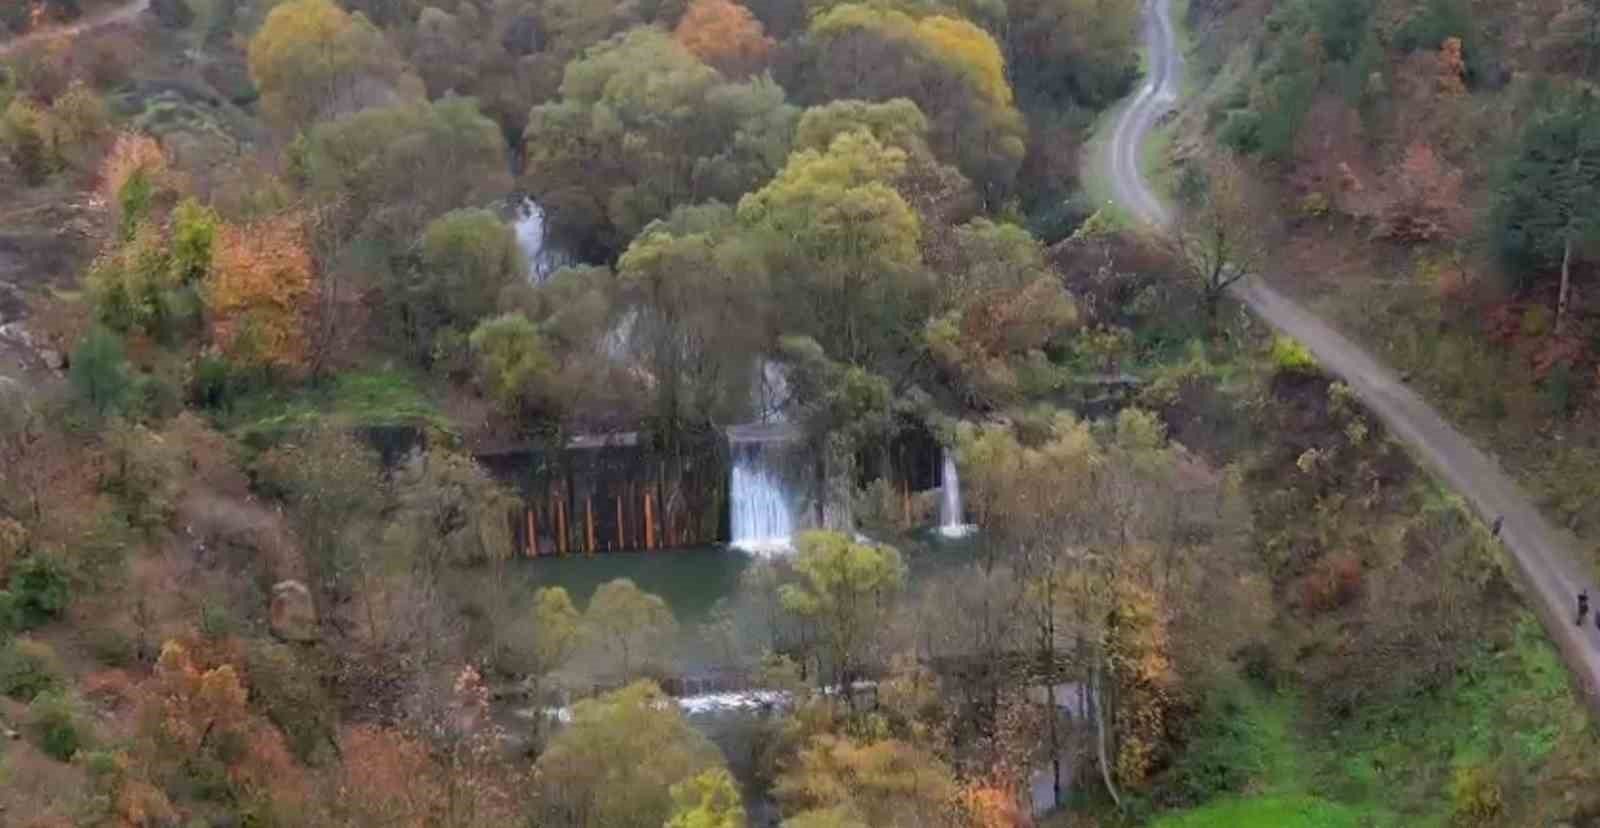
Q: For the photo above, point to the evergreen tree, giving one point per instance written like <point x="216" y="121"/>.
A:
<point x="1549" y="197"/>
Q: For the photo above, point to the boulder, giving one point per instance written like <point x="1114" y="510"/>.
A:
<point x="292" y="617"/>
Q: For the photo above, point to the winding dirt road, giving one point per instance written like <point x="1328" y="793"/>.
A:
<point x="106" y="18"/>
<point x="1545" y="557"/>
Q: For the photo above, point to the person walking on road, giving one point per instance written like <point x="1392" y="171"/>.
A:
<point x="1583" y="607"/>
<point x="1499" y="520"/>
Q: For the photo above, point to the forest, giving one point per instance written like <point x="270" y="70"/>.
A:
<point x="701" y="414"/>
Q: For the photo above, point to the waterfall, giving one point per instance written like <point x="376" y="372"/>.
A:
<point x="951" y="518"/>
<point x="762" y="518"/>
<point x="543" y="259"/>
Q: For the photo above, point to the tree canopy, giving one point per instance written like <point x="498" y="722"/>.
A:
<point x="618" y="760"/>
<point x="643" y="126"/>
<point x="952" y="69"/>
<point x="312" y="61"/>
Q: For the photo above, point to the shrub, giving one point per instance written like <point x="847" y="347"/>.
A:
<point x="1341" y="26"/>
<point x="215" y="621"/>
<point x="216" y="385"/>
<point x="1315" y="205"/>
<point x="99" y="372"/>
<point x="1291" y="358"/>
<point x="1060" y="220"/>
<point x="29" y="667"/>
<point x="156" y="396"/>
<point x="1241" y="131"/>
<point x="1333" y="582"/>
<point x="112" y="646"/>
<point x="13" y="541"/>
<point x="1440" y="20"/>
<point x="10" y="614"/>
<point x="55" y="725"/>
<point x="286" y="689"/>
<point x="23" y="139"/>
<point x="1475" y="795"/>
<point x="1290" y="94"/>
<point x="40" y="588"/>
<point x="1222" y="753"/>
<point x="78" y="119"/>
<point x="143" y="475"/>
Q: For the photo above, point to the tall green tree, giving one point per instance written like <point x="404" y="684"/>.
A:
<point x="1072" y="52"/>
<point x="396" y="168"/>
<point x="312" y="60"/>
<point x="616" y="764"/>
<point x="1220" y="237"/>
<point x="698" y="290"/>
<point x="1548" y="205"/>
<point x="626" y="620"/>
<point x="514" y="365"/>
<point x="846" y="590"/>
<point x="643" y="126"/>
<point x="843" y="243"/>
<point x="467" y="258"/>
<point x="99" y="372"/>
<point x="450" y="512"/>
<point x="334" y="488"/>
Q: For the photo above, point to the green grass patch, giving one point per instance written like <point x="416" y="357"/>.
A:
<point x="361" y="399"/>
<point x="1155" y="160"/>
<point x="1288" y="811"/>
<point x="1416" y="762"/>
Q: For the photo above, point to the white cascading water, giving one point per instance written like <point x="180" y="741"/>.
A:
<point x="951" y="518"/>
<point x="543" y="260"/>
<point x="762" y="519"/>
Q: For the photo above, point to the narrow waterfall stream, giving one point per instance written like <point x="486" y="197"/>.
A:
<point x="952" y="520"/>
<point x="543" y="258"/>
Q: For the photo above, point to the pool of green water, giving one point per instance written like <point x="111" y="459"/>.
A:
<point x="692" y="580"/>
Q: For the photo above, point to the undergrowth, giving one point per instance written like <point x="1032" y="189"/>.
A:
<point x="1474" y="752"/>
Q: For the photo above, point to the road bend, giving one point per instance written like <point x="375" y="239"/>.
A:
<point x="1545" y="557"/>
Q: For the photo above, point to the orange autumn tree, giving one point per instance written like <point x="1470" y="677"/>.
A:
<point x="132" y="154"/>
<point x="1427" y="204"/>
<point x="991" y="807"/>
<point x="725" y="35"/>
<point x="386" y="778"/>
<point x="259" y="291"/>
<point x="199" y="712"/>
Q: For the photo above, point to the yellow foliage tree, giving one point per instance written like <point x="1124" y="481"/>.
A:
<point x="258" y="291"/>
<point x="958" y="42"/>
<point x="201" y="711"/>
<point x="1141" y="665"/>
<point x="312" y="60"/>
<point x="953" y="70"/>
